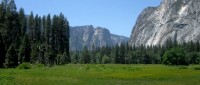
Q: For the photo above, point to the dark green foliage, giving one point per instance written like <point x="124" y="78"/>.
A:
<point x="40" y="65"/>
<point x="194" y="57"/>
<point x="11" y="25"/>
<point x="75" y="58"/>
<point x="11" y="57"/>
<point x="50" y="58"/>
<point x="106" y="59"/>
<point x="197" y="46"/>
<point x="98" y="58"/>
<point x="67" y="58"/>
<point x="2" y="52"/>
<point x="24" y="50"/>
<point x="183" y="67"/>
<point x="191" y="47"/>
<point x="2" y="17"/>
<point x="37" y="30"/>
<point x="47" y="29"/>
<point x="116" y="56"/>
<point x="47" y="57"/>
<point x="121" y="57"/>
<point x="22" y="22"/>
<point x="31" y="27"/>
<point x="34" y="54"/>
<point x="60" y="36"/>
<point x="85" y="56"/>
<point x="128" y="59"/>
<point x="197" y="68"/>
<point x="175" y="56"/>
<point x="59" y="59"/>
<point x="33" y="39"/>
<point x="171" y="53"/>
<point x="43" y="29"/>
<point x="62" y="59"/>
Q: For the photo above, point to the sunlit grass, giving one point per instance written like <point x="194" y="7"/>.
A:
<point x="102" y="75"/>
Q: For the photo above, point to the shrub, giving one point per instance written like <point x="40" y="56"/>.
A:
<point x="194" y="57"/>
<point x="106" y="59"/>
<point x="197" y="68"/>
<point x="24" y="66"/>
<point x="40" y="65"/>
<point x="175" y="56"/>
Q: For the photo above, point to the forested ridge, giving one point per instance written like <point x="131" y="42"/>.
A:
<point x="45" y="40"/>
<point x="32" y="38"/>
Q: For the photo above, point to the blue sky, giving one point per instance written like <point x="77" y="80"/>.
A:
<point x="118" y="16"/>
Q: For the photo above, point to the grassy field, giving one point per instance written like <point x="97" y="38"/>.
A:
<point x="102" y="75"/>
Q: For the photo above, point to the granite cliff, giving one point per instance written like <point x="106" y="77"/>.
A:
<point x="91" y="37"/>
<point x="173" y="19"/>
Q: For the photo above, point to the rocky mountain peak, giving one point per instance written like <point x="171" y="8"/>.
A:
<point x="173" y="19"/>
<point x="91" y="37"/>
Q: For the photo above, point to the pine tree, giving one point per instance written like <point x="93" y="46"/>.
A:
<point x="43" y="29"/>
<point x="49" y="57"/>
<point x="85" y="56"/>
<point x="64" y="58"/>
<point x="54" y="34"/>
<point x="11" y="6"/>
<point x="36" y="29"/>
<point x="122" y="54"/>
<point x="5" y="4"/>
<point x="11" y="57"/>
<point x="47" y="29"/>
<point x="191" y="46"/>
<point x="62" y="39"/>
<point x="39" y="31"/>
<point x="12" y="28"/>
<point x="2" y="18"/>
<point x="67" y="33"/>
<point x="117" y="59"/>
<point x="22" y="22"/>
<point x="2" y="52"/>
<point x="34" y="53"/>
<point x="31" y="27"/>
<point x="75" y="57"/>
<point x="197" y="46"/>
<point x="25" y="50"/>
<point x="48" y="37"/>
<point x="52" y="57"/>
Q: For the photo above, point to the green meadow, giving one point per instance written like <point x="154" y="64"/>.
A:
<point x="77" y="74"/>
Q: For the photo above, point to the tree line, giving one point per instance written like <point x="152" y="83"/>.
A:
<point x="45" y="40"/>
<point x="32" y="38"/>
<point x="172" y="53"/>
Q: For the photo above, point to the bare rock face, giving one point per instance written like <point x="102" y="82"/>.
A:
<point x="174" y="19"/>
<point x="91" y="37"/>
<point x="118" y="40"/>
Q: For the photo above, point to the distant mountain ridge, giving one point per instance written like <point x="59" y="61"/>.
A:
<point x="92" y="37"/>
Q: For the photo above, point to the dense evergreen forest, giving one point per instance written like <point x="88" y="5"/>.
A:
<point x="45" y="40"/>
<point x="29" y="38"/>
<point x="171" y="53"/>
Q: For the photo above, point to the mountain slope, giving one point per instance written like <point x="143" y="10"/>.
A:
<point x="91" y="37"/>
<point x="116" y="39"/>
<point x="174" y="19"/>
